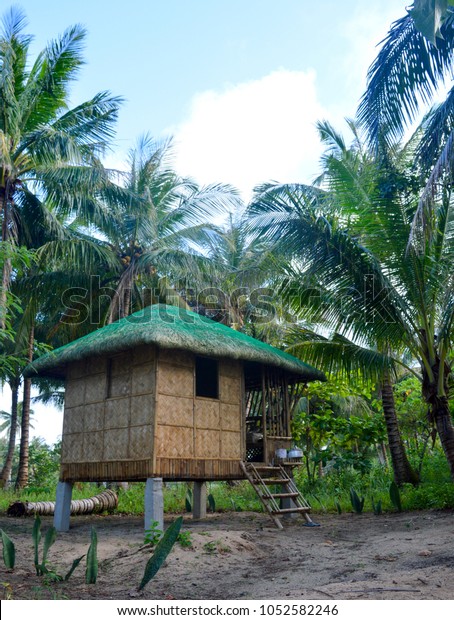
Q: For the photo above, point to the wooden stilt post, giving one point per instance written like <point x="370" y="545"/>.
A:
<point x="63" y="506"/>
<point x="199" y="500"/>
<point x="154" y="503"/>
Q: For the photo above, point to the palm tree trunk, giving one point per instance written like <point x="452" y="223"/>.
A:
<point x="445" y="429"/>
<point x="439" y="410"/>
<point x="7" y="267"/>
<point x="22" y="474"/>
<point x="403" y="471"/>
<point x="8" y="465"/>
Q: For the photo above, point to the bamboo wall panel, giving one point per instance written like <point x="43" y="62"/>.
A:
<point x="71" y="448"/>
<point x="117" y="413"/>
<point x="103" y="429"/>
<point x="231" y="368"/>
<point x="142" y="410"/>
<point x="95" y="388"/>
<point x="93" y="417"/>
<point x="231" y="445"/>
<point x="174" y="411"/>
<point x="206" y="413"/>
<point x="73" y="421"/>
<point x="92" y="448"/>
<point x="174" y="442"/>
<point x="74" y="392"/>
<point x="175" y="380"/>
<point x="207" y="444"/>
<point x="230" y="389"/>
<point x="230" y="416"/>
<point x="143" y="379"/>
<point x="176" y="357"/>
<point x="140" y="441"/>
<point x="144" y="354"/>
<point x="116" y="444"/>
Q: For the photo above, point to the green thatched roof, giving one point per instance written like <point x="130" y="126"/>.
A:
<point x="170" y="327"/>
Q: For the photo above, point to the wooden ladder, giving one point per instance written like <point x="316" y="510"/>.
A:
<point x="263" y="476"/>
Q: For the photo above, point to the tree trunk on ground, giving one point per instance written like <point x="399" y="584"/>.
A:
<point x="8" y="465"/>
<point x="107" y="500"/>
<point x="22" y="474"/>
<point x="403" y="471"/>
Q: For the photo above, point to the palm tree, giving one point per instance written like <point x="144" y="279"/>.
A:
<point x="238" y="265"/>
<point x="49" y="154"/>
<point x="389" y="278"/>
<point x="414" y="62"/>
<point x="155" y="235"/>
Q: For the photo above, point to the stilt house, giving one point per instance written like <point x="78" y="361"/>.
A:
<point x="167" y="393"/>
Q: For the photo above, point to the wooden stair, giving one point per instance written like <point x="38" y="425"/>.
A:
<point x="263" y="476"/>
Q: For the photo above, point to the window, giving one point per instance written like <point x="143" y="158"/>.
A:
<point x="206" y="377"/>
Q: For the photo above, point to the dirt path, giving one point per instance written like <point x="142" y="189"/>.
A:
<point x="241" y="556"/>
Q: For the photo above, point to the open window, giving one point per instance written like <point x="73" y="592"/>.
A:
<point x="206" y="377"/>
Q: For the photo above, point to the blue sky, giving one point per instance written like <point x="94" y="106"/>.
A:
<point x="240" y="84"/>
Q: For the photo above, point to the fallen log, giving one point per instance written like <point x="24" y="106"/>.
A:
<point x="107" y="500"/>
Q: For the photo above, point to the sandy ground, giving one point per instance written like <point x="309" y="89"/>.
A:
<point x="242" y="556"/>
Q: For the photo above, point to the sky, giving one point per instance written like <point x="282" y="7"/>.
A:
<point x="238" y="84"/>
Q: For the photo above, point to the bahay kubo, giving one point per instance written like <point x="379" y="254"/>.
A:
<point x="169" y="394"/>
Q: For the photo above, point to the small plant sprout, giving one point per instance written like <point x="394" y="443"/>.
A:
<point x="153" y="534"/>
<point x="357" y="503"/>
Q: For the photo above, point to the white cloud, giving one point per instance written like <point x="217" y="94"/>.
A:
<point x="253" y="132"/>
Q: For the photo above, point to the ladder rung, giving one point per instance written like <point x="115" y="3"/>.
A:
<point x="266" y="468"/>
<point x="282" y="495"/>
<point x="270" y="481"/>
<point x="288" y="510"/>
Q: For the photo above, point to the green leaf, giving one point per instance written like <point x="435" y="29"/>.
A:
<point x="357" y="503"/>
<point x="49" y="540"/>
<point x="9" y="551"/>
<point x="394" y="494"/>
<point x="428" y="16"/>
<point x="163" y="548"/>
<point x="91" y="572"/>
<point x="75" y="564"/>
<point x="36" y="536"/>
<point x="211" y="502"/>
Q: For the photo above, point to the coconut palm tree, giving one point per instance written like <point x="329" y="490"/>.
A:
<point x="238" y="266"/>
<point x="49" y="154"/>
<point x="156" y="235"/>
<point x="415" y="62"/>
<point x="391" y="276"/>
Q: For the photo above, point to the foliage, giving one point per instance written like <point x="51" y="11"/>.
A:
<point x="357" y="503"/>
<point x="153" y="534"/>
<point x="162" y="550"/>
<point x="336" y="425"/>
<point x="91" y="570"/>
<point x="185" y="540"/>
<point x="9" y="551"/>
<point x="394" y="494"/>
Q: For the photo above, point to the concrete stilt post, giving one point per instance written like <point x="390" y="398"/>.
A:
<point x="154" y="503"/>
<point x="199" y="500"/>
<point x="63" y="506"/>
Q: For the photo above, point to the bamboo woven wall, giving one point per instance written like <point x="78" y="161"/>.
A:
<point x="111" y="432"/>
<point x="109" y="414"/>
<point x="197" y="437"/>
